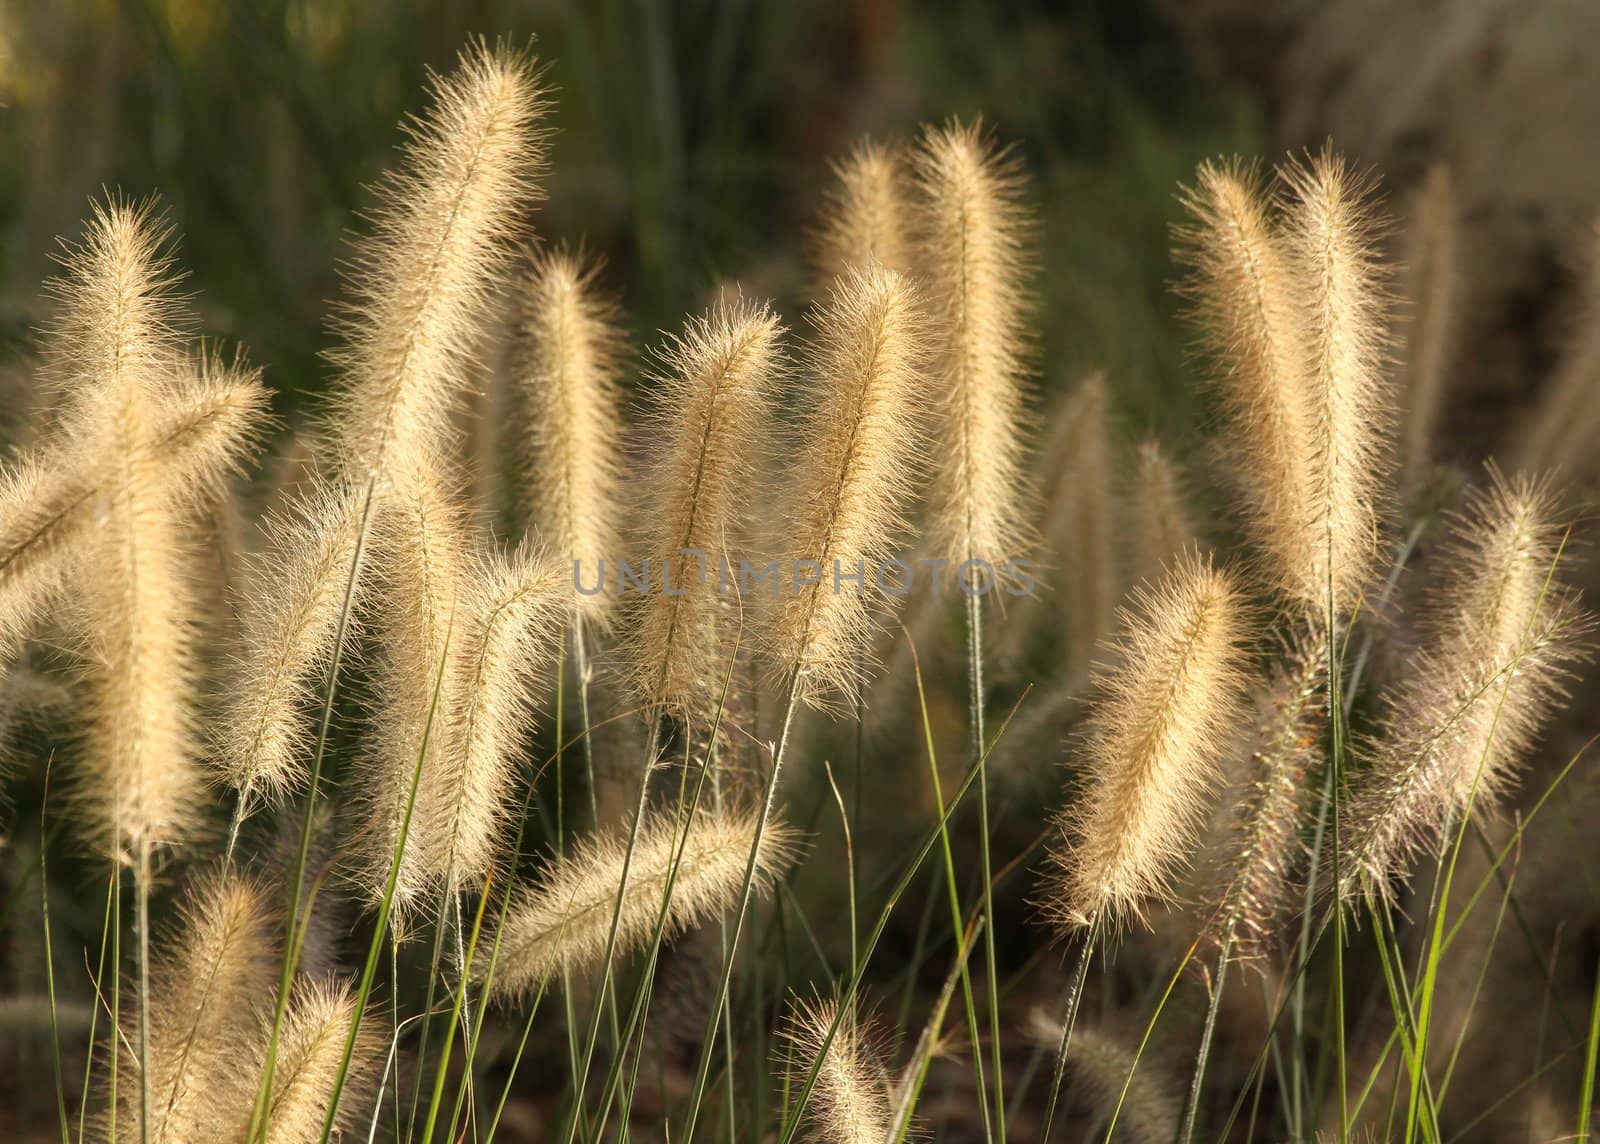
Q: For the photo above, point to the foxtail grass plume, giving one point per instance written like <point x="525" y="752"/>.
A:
<point x="1243" y="291"/>
<point x="1331" y="230"/>
<point x="1432" y="286"/>
<point x="51" y="493"/>
<point x="972" y="232"/>
<point x="1150" y="752"/>
<point x="850" y="1101"/>
<point x="305" y="1075"/>
<point x="1504" y="633"/>
<point x="564" y="373"/>
<point x="423" y="279"/>
<point x="421" y="551"/>
<point x="294" y="596"/>
<point x="1078" y="522"/>
<point x="206" y="1043"/>
<point x="856" y="472"/>
<point x="115" y="352"/>
<point x="509" y="630"/>
<point x="1261" y="849"/>
<point x="1117" y="1080"/>
<point x="1163" y="526"/>
<point x="1560" y="434"/>
<point x="866" y="215"/>
<point x="711" y="413"/>
<point x="564" y="919"/>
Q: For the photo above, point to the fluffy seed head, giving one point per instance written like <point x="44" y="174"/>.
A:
<point x="1503" y="635"/>
<point x="564" y="373"/>
<point x="972" y="230"/>
<point x="116" y="358"/>
<point x="856" y="473"/>
<point x="1117" y="1079"/>
<point x="305" y="1074"/>
<point x="1078" y="525"/>
<point x="1243" y="291"/>
<point x="289" y="620"/>
<point x="1162" y="525"/>
<point x="1261" y="850"/>
<point x="865" y="216"/>
<point x="51" y="495"/>
<point x="1151" y="747"/>
<point x="850" y="1100"/>
<point x="711" y="415"/>
<point x="422" y="280"/>
<point x="512" y="617"/>
<point x="564" y="919"/>
<point x="1331" y="231"/>
<point x="421" y="552"/>
<point x="1432" y="287"/>
<point x="1559" y="437"/>
<point x="206" y="1048"/>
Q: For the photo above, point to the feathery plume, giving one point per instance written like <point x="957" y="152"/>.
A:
<point x="512" y="615"/>
<point x="972" y="230"/>
<point x="1432" y="286"/>
<point x="850" y="1100"/>
<point x="564" y="371"/>
<point x="1242" y="289"/>
<point x="1559" y="437"/>
<point x="1251" y="880"/>
<point x="50" y="495"/>
<point x="1504" y="633"/>
<point x="421" y="550"/>
<point x="1078" y="526"/>
<point x="422" y="280"/>
<point x="1331" y="230"/>
<point x="1117" y="1079"/>
<point x="865" y="213"/>
<point x="856" y="472"/>
<point x="711" y="412"/>
<point x="1162" y="526"/>
<point x="206" y="1047"/>
<point x="117" y="356"/>
<point x="295" y="593"/>
<point x="311" y="1045"/>
<point x="564" y="919"/>
<point x="1151" y="746"/>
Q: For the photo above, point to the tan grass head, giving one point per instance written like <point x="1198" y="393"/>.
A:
<point x="972" y="229"/>
<point x="1150" y="751"/>
<point x="850" y="1101"/>
<point x="306" y="1071"/>
<point x="564" y="919"/>
<point x="1331" y="230"/>
<point x="711" y="414"/>
<point x="1433" y="289"/>
<point x="866" y="213"/>
<point x="1503" y="634"/>
<point x="565" y="366"/>
<point x="510" y="635"/>
<point x="856" y="471"/>
<point x="1560" y="433"/>
<point x="421" y="281"/>
<point x="294" y="596"/>
<point x="1163" y="521"/>
<point x="118" y="361"/>
<point x="206" y="1043"/>
<point x="1244" y="296"/>
<point x="1078" y="523"/>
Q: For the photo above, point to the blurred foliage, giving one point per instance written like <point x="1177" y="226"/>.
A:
<point x="693" y="142"/>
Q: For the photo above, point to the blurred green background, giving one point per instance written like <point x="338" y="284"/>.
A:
<point x="693" y="142"/>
